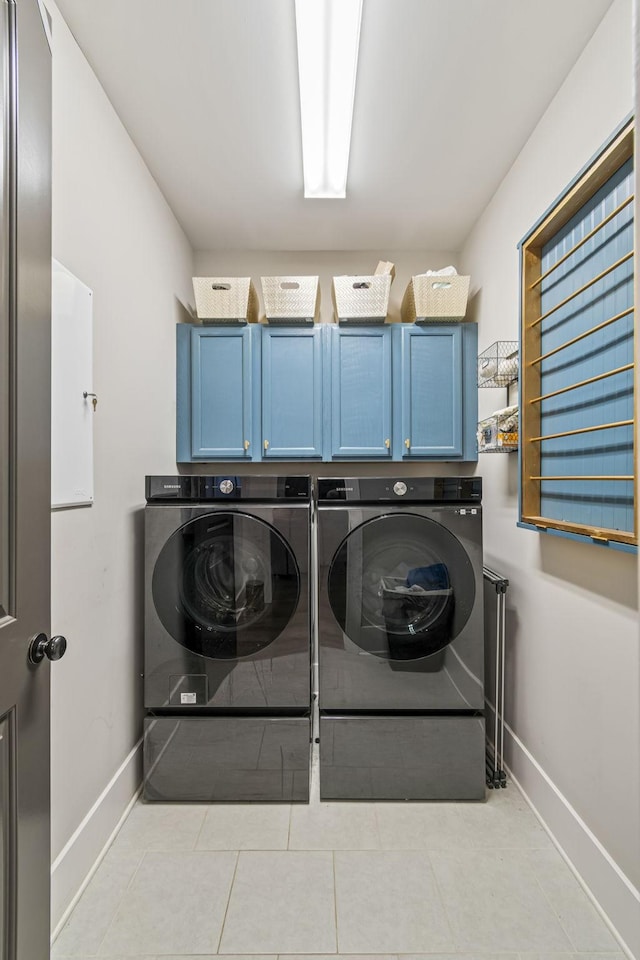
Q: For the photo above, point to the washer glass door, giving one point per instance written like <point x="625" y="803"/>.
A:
<point x="401" y="586"/>
<point x="225" y="585"/>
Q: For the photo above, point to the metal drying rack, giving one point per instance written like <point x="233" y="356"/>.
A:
<point x="496" y="777"/>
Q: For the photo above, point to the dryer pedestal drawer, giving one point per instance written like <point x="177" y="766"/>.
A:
<point x="227" y="759"/>
<point x="402" y="757"/>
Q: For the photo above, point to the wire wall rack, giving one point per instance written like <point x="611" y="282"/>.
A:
<point x="498" y="364"/>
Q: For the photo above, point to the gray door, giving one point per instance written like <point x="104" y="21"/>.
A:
<point x="25" y="285"/>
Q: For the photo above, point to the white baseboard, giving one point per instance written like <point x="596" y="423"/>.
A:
<point x="80" y="857"/>
<point x="612" y="892"/>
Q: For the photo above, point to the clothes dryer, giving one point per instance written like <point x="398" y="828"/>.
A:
<point x="401" y="638"/>
<point x="227" y="638"/>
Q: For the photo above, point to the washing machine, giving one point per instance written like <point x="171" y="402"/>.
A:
<point x="401" y="639"/>
<point x="227" y="681"/>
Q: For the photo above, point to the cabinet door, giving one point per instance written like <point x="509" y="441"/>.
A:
<point x="430" y="385"/>
<point x="291" y="393"/>
<point x="221" y="416"/>
<point x="361" y="392"/>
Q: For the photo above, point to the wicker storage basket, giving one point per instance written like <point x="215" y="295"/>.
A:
<point x="434" y="299"/>
<point x="362" y="299"/>
<point x="291" y="299"/>
<point x="226" y="299"/>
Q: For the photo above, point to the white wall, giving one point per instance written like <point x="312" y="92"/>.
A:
<point x="573" y="650"/>
<point x="114" y="230"/>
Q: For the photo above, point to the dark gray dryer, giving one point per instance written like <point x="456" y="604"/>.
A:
<point x="401" y="638"/>
<point x="227" y="639"/>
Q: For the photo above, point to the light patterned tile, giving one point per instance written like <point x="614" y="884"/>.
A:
<point x="176" y="904"/>
<point x="334" y="826"/>
<point x="282" y="902"/>
<point x="420" y="826"/>
<point x="339" y="956"/>
<point x="161" y="826"/>
<point x="580" y="920"/>
<point x="245" y="827"/>
<point x="82" y="934"/>
<point x="571" y="956"/>
<point x="494" y="903"/>
<point x="459" y="956"/>
<point x="504" y="820"/>
<point x="388" y="901"/>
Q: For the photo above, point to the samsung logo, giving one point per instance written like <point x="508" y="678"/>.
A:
<point x="344" y="489"/>
<point x="171" y="486"/>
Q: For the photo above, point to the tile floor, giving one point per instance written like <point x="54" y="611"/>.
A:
<point x="433" y="881"/>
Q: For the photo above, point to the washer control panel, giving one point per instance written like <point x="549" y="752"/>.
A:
<point x="226" y="486"/>
<point x="400" y="488"/>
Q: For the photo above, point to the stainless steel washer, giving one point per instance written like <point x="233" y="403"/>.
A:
<point x="227" y="638"/>
<point x="401" y="638"/>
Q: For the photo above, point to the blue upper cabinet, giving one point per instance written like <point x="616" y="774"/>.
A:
<point x="435" y="392"/>
<point x="215" y="415"/>
<point x="256" y="392"/>
<point x="292" y="393"/>
<point x="361" y="392"/>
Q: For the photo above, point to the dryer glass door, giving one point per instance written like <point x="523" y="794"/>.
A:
<point x="401" y="586"/>
<point x="225" y="585"/>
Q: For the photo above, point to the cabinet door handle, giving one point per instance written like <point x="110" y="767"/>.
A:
<point x="407" y="443"/>
<point x="266" y="444"/>
<point x="246" y="444"/>
<point x="387" y="443"/>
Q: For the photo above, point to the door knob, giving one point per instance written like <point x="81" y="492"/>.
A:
<point x="387" y="443"/>
<point x="266" y="444"/>
<point x="407" y="443"/>
<point x="41" y="647"/>
<point x="246" y="445"/>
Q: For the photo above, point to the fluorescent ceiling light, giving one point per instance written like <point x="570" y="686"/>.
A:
<point x="328" y="38"/>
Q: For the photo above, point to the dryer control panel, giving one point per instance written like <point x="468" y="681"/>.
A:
<point x="415" y="489"/>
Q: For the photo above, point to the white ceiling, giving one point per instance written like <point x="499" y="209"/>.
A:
<point x="447" y="94"/>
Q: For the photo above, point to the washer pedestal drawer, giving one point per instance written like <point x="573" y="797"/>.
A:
<point x="402" y="757"/>
<point x="227" y="759"/>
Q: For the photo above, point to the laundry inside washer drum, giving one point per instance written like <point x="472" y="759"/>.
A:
<point x="416" y="610"/>
<point x="223" y="583"/>
<point x="401" y="587"/>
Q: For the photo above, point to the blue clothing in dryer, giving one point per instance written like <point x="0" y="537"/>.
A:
<point x="433" y="577"/>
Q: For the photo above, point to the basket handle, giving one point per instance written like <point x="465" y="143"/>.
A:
<point x="361" y="285"/>
<point x="221" y="286"/>
<point x="289" y="285"/>
<point x="440" y="284"/>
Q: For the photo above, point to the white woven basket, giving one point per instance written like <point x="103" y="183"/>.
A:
<point x="362" y="298"/>
<point x="434" y="299"/>
<point x="226" y="299"/>
<point x="291" y="299"/>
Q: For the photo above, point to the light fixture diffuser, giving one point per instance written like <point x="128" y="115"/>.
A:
<point x="328" y="33"/>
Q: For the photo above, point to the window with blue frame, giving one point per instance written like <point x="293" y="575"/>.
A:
<point x="577" y="340"/>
